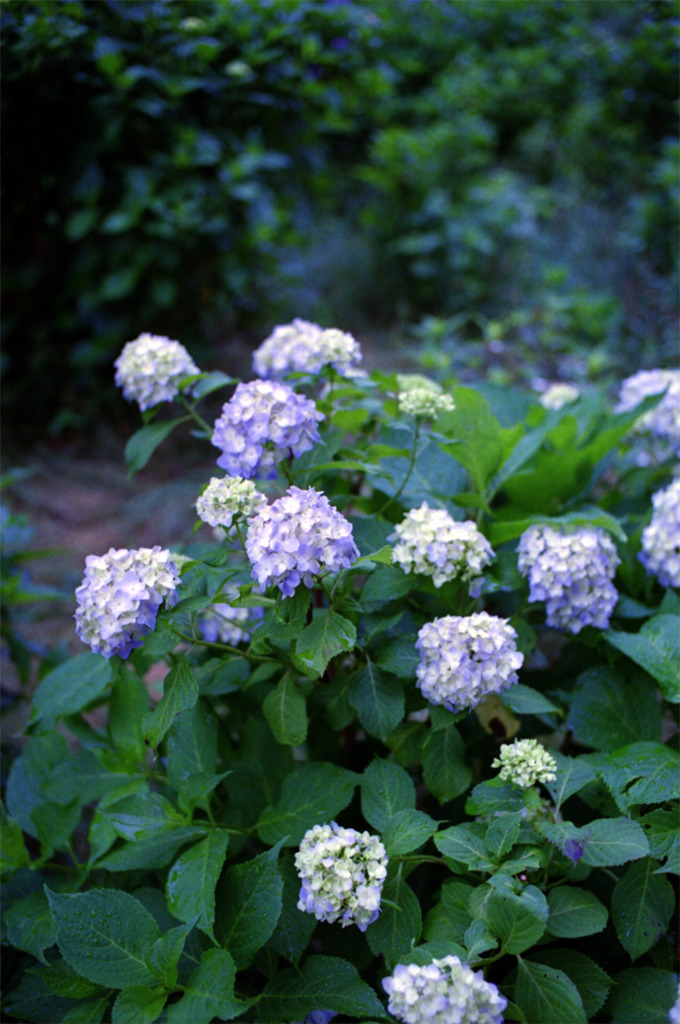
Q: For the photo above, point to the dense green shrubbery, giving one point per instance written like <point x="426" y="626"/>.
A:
<point x="193" y="168"/>
<point x="149" y="844"/>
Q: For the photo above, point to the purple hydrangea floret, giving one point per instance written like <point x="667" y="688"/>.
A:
<point x="264" y="423"/>
<point x="297" y="537"/>
<point x="120" y="596"/>
<point x="660" y="553"/>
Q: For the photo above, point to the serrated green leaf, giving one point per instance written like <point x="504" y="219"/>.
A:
<point x="192" y="879"/>
<point x="142" y="813"/>
<point x="105" y="935"/>
<point x="250" y="901"/>
<point x="293" y="931"/>
<point x="591" y="981"/>
<point x="524" y="700"/>
<point x="30" y="926"/>
<point x="152" y="851"/>
<point x="399" y="924"/>
<point x="323" y="981"/>
<point x="444" y="768"/>
<point x="209" y="992"/>
<point x="386" y="789"/>
<point x="478" y="939"/>
<point x="84" y="777"/>
<point x="13" y="852"/>
<point x="450" y="918"/>
<point x="327" y="635"/>
<point x="144" y="443"/>
<point x="574" y="912"/>
<point x="494" y="795"/>
<point x="192" y="744"/>
<point x="180" y="693"/>
<point x="33" y="1001"/>
<point x="399" y="656"/>
<point x="605" y="842"/>
<point x="462" y="843"/>
<point x="210" y="382"/>
<point x="642" y="995"/>
<point x="311" y="794"/>
<point x="165" y="953"/>
<point x="90" y="1012"/>
<point x="608" y="711"/>
<point x="547" y="994"/>
<point x="518" y="919"/>
<point x="502" y="833"/>
<point x="29" y="776"/>
<point x="128" y="704"/>
<point x="406" y="831"/>
<point x="573" y="774"/>
<point x="484" y="444"/>
<point x="70" y="688"/>
<point x="642" y="773"/>
<point x="504" y="531"/>
<point x="656" y="648"/>
<point x="285" y="709"/>
<point x="138" y="1005"/>
<point x="661" y="829"/>
<point x="378" y="699"/>
<point x="642" y="905"/>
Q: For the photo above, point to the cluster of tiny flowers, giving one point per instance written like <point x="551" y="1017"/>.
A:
<point x="660" y="553"/>
<point x="304" y="347"/>
<point x="119" y="598"/>
<point x="432" y="543"/>
<point x="445" y="991"/>
<point x="462" y="658"/>
<point x="558" y="395"/>
<point x="674" y="1012"/>
<point x="572" y="573"/>
<point x="342" y="873"/>
<point x="222" y="623"/>
<point x="525" y="762"/>
<point x="297" y="537"/>
<point x="225" y="498"/>
<point x="660" y="428"/>
<point x="262" y="424"/>
<point x="150" y="368"/>
<point x="421" y="397"/>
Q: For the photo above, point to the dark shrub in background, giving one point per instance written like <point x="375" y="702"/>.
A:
<point x="205" y="169"/>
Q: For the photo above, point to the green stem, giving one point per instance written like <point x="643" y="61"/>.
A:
<point x="411" y="464"/>
<point x="203" y="424"/>
<point x="193" y="640"/>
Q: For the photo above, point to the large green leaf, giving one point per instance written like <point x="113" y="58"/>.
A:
<point x="483" y="444"/>
<point x="209" y="992"/>
<point x="591" y="981"/>
<point x="446" y="773"/>
<point x="323" y="981"/>
<point x="386" y="789"/>
<point x="609" y="711"/>
<point x="327" y="635"/>
<point x="399" y="923"/>
<point x="462" y="843"/>
<point x="154" y="850"/>
<point x="285" y="709"/>
<point x="105" y="935"/>
<point x="249" y="900"/>
<point x="406" y="831"/>
<point x="574" y="912"/>
<point x="312" y="794"/>
<point x="657" y="648"/>
<point x="378" y="699"/>
<point x="30" y="926"/>
<point x="293" y="931"/>
<point x="605" y="842"/>
<point x="70" y="688"/>
<point x="642" y="905"/>
<point x="450" y="918"/>
<point x="192" y="744"/>
<point x="138" y="1004"/>
<point x="192" y="879"/>
<point x="642" y="773"/>
<point x="143" y="443"/>
<point x="573" y="774"/>
<point x="180" y="693"/>
<point x="547" y="995"/>
<point x="518" y="919"/>
<point x="642" y="995"/>
<point x="505" y="530"/>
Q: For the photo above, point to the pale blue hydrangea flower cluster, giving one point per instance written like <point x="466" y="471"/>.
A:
<point x="120" y="596"/>
<point x="659" y="429"/>
<point x="660" y="553"/>
<point x="150" y="368"/>
<point x="558" y="395"/>
<point x="223" y="623"/>
<point x="262" y="424"/>
<point x="572" y="573"/>
<point x="674" y="1012"/>
<point x="462" y="658"/>
<point x="421" y="397"/>
<point x="304" y="347"/>
<point x="342" y="873"/>
<point x="445" y="991"/>
<point x="297" y="537"/>
<point x="227" y="497"/>
<point x="525" y="762"/>
<point x="431" y="542"/>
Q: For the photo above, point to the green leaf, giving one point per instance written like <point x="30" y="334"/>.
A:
<point x="518" y="919"/>
<point x="406" y="831"/>
<point x="192" y="744"/>
<point x="504" y="530"/>
<point x="323" y="981"/>
<point x="478" y="939"/>
<point x="209" y="992"/>
<point x="399" y="656"/>
<point x="642" y="906"/>
<point x="83" y="777"/>
<point x="605" y="842"/>
<point x="33" y="1001"/>
<point x="591" y="981"/>
<point x="154" y="850"/>
<point x="450" y="918"/>
<point x="293" y="931"/>
<point x="502" y="833"/>
<point x="138" y="1005"/>
<point x="398" y="926"/>
<point x="573" y="774"/>
<point x="192" y="879"/>
<point x="444" y="768"/>
<point x="30" y="926"/>
<point x="494" y="795"/>
<point x="656" y="648"/>
<point x="311" y="794"/>
<point x="385" y="585"/>
<point x="608" y="711"/>
<point x="249" y="905"/>
<point x="386" y="789"/>
<point x="90" y="1012"/>
<point x="144" y="442"/>
<point x="142" y="813"/>
<point x="256" y="777"/>
<point x="210" y="382"/>
<point x="484" y="444"/>
<point x="30" y="775"/>
<point x="105" y="935"/>
<point x="642" y="773"/>
<point x="13" y="852"/>
<point x="547" y="995"/>
<point x="574" y="912"/>
<point x="69" y="688"/>
<point x="180" y="693"/>
<point x="165" y="953"/>
<point x="285" y="709"/>
<point x="327" y="635"/>
<point x="524" y="700"/>
<point x="461" y="843"/>
<point x="661" y="829"/>
<point x="378" y="699"/>
<point x="642" y="995"/>
<point x="128" y="704"/>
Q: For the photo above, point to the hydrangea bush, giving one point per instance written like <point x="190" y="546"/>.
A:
<point x="414" y="756"/>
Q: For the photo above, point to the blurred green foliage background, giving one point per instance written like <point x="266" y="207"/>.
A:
<point x="431" y="169"/>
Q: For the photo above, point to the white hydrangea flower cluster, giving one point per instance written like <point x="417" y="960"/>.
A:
<point x="558" y="395"/>
<point x="659" y="429"/>
<point x="304" y="347"/>
<point x="525" y="762"/>
<point x="421" y="397"/>
<point x="150" y="368"/>
<point x="572" y="573"/>
<point x="297" y="537"/>
<point x="445" y="991"/>
<point x="224" y="624"/>
<point x="431" y="542"/>
<point x="462" y="658"/>
<point x="120" y="596"/>
<point x="660" y="553"/>
<point x="674" y="1012"/>
<point x="342" y="873"/>
<point x="263" y="423"/>
<point x="227" y="497"/>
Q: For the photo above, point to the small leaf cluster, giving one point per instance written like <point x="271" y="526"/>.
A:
<point x="150" y="829"/>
